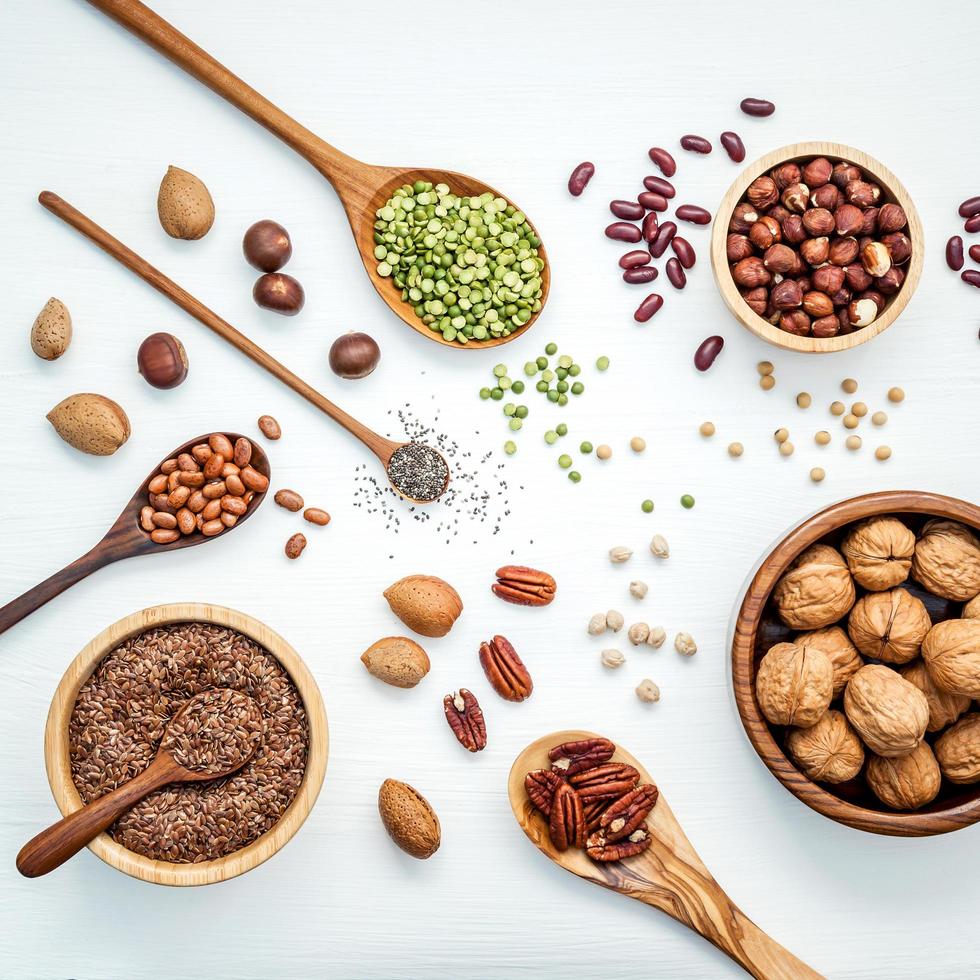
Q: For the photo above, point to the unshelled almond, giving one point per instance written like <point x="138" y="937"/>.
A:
<point x="90" y="423"/>
<point x="409" y="819"/>
<point x="396" y="660"/>
<point x="425" y="604"/>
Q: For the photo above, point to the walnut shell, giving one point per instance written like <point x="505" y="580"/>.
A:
<point x="879" y="552"/>
<point x="947" y="560"/>
<point x="829" y="751"/>
<point x="906" y="783"/>
<point x="889" y="626"/>
<point x="888" y="712"/>
<point x="944" y="708"/>
<point x="793" y="685"/>
<point x="816" y="591"/>
<point x="972" y="609"/>
<point x="833" y="642"/>
<point x="958" y="750"/>
<point x="952" y="654"/>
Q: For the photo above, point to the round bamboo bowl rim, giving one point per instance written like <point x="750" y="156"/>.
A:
<point x="57" y="756"/>
<point x="894" y="191"/>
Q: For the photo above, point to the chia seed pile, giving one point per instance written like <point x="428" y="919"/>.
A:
<point x="418" y="471"/>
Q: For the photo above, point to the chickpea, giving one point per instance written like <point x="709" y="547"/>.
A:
<point x="735" y="449"/>
<point x="786" y="449"/>
<point x="767" y="382"/>
<point x="853" y="443"/>
<point x="837" y="408"/>
<point x="822" y="438"/>
<point x="765" y="368"/>
<point x="637" y="444"/>
<point x="781" y="435"/>
<point x="883" y="453"/>
<point x="849" y="385"/>
<point x="817" y="474"/>
<point x="707" y="429"/>
<point x="859" y="409"/>
<point x="879" y="418"/>
<point x="896" y="395"/>
<point x="851" y="421"/>
<point x="804" y="399"/>
<point x="604" y="452"/>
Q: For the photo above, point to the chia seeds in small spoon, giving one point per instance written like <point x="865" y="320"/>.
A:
<point x="418" y="471"/>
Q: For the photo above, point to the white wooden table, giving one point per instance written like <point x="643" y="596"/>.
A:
<point x="516" y="94"/>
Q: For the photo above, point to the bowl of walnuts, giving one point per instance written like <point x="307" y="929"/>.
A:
<point x="817" y="247"/>
<point x="856" y="662"/>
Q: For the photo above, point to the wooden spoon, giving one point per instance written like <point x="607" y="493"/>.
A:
<point x="362" y="188"/>
<point x="668" y="875"/>
<point x="124" y="540"/>
<point x="383" y="448"/>
<point x="64" y="839"/>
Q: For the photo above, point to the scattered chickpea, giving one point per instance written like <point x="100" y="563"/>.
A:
<point x="767" y="382"/>
<point x="853" y="443"/>
<point x="851" y="421"/>
<point x="637" y="444"/>
<point x="764" y="368"/>
<point x="647" y="691"/>
<point x="604" y="452"/>
<point x="837" y="408"/>
<point x="707" y="429"/>
<point x="859" y="409"/>
<point x="735" y="449"/>
<point x="822" y="438"/>
<point x="781" y="435"/>
<point x="786" y="449"/>
<point x="817" y="474"/>
<point x="638" y="590"/>
<point x="849" y="385"/>
<point x="883" y="452"/>
<point x="614" y="620"/>
<point x="804" y="399"/>
<point x="896" y="395"/>
<point x="879" y="418"/>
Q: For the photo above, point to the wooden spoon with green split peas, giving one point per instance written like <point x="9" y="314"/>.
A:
<point x="362" y="188"/>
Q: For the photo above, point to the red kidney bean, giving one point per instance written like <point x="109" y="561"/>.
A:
<point x="623" y="231"/>
<point x="684" y="251"/>
<point x="675" y="273"/>
<point x="663" y="160"/>
<point x="651" y="304"/>
<point x="639" y="256"/>
<point x="644" y="274"/>
<point x="581" y="175"/>
<point x="696" y="144"/>
<point x="649" y="227"/>
<point x="733" y="145"/>
<point x="970" y="207"/>
<point x="691" y="212"/>
<point x="954" y="253"/>
<point x="972" y="224"/>
<point x="627" y="209"/>
<point x="705" y="355"/>
<point x="659" y="186"/>
<point x="971" y="277"/>
<point x="652" y="201"/>
<point x="757" y="107"/>
<point x="665" y="233"/>
<point x="975" y="253"/>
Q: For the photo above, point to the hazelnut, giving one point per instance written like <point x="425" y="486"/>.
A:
<point x="905" y="783"/>
<point x="794" y="686"/>
<point x="162" y="360"/>
<point x="879" y="552"/>
<point x="958" y="751"/>
<point x="817" y="172"/>
<point x="826" y="196"/>
<point x="778" y="212"/>
<point x="757" y="299"/>
<point x="891" y="218"/>
<point x="889" y="626"/>
<point x="944" y="708"/>
<point x="762" y="193"/>
<point x="862" y="312"/>
<point x="826" y="326"/>
<point x="861" y="194"/>
<point x="266" y="246"/>
<point x="778" y="258"/>
<point x="786" y="174"/>
<point x="818" y="304"/>
<point x="793" y="230"/>
<point x="855" y="277"/>
<point x="836" y="645"/>
<point x="795" y="322"/>
<point x="870" y="224"/>
<point x="828" y="751"/>
<point x="815" y="250"/>
<point x="787" y="295"/>
<point x="899" y="247"/>
<point x="844" y="172"/>
<point x="828" y="279"/>
<point x="818" y="221"/>
<point x="752" y="272"/>
<point x="279" y="293"/>
<point x="738" y="247"/>
<point x="743" y="218"/>
<point x="816" y="590"/>
<point x="796" y="197"/>
<point x="875" y="297"/>
<point x="765" y="232"/>
<point x="843" y="251"/>
<point x="891" y="281"/>
<point x="876" y="259"/>
<point x="947" y="560"/>
<point x="849" y="220"/>
<point x="889" y="713"/>
<point x="951" y="652"/>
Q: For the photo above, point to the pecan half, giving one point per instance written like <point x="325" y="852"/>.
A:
<point x="524" y="586"/>
<point x="572" y="757"/>
<point x="567" y="823"/>
<point x="608" y="782"/>
<point x="505" y="670"/>
<point x="465" y="718"/>
<point x="593" y="814"/>
<point x="628" y="812"/>
<point x="540" y="786"/>
<point x="600" y="848"/>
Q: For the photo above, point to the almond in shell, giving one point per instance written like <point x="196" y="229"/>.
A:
<point x="396" y="660"/>
<point x="425" y="604"/>
<point x="184" y="205"/>
<point x="90" y="423"/>
<point x="409" y="819"/>
<point x="51" y="333"/>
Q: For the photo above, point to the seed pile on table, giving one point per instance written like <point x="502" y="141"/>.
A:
<point x="120" y="717"/>
<point x="970" y="210"/>
<point x="469" y="266"/>
<point x="215" y="731"/>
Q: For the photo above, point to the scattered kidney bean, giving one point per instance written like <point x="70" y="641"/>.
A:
<point x="757" y="107"/>
<point x="664" y="234"/>
<point x="972" y="224"/>
<point x="639" y="275"/>
<point x="651" y="304"/>
<point x="663" y="160"/>
<point x="971" y="277"/>
<point x="637" y="257"/>
<point x="316" y="516"/>
<point x="975" y="253"/>
<point x="652" y="201"/>
<point x="954" y="253"/>
<point x="627" y="209"/>
<point x="705" y="355"/>
<point x="580" y="177"/>
<point x="696" y="144"/>
<point x="675" y="273"/>
<point x="684" y="251"/>
<point x="623" y="231"/>
<point x="733" y="145"/>
<point x="659" y="186"/>
<point x="295" y="545"/>
<point x="691" y="212"/>
<point x="649" y="226"/>
<point x="970" y="207"/>
<point x="269" y="427"/>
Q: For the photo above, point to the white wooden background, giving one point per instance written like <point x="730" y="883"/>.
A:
<point x="516" y="93"/>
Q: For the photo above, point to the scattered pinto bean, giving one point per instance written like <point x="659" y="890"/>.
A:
<point x="972" y="224"/>
<point x="675" y="273"/>
<point x="289" y="499"/>
<point x="664" y="235"/>
<point x="295" y="545"/>
<point x="652" y="304"/>
<point x="663" y="160"/>
<point x="631" y="210"/>
<point x="970" y="207"/>
<point x="640" y="275"/>
<point x="733" y="145"/>
<point x="705" y="355"/>
<point x="696" y="144"/>
<point x="269" y="427"/>
<point x="623" y="231"/>
<point x="649" y="227"/>
<point x="659" y="186"/>
<point x="971" y="277"/>
<point x="975" y="253"/>
<point x="757" y="107"/>
<point x="580" y="177"/>
<point x="639" y="256"/>
<point x="652" y="201"/>
<point x="684" y="251"/>
<point x="954" y="253"/>
<point x="692" y="213"/>
<point x="316" y="516"/>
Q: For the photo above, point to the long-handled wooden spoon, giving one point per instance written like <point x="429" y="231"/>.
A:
<point x="668" y="875"/>
<point x="64" y="839"/>
<point x="383" y="448"/>
<point x="362" y="188"/>
<point x="124" y="539"/>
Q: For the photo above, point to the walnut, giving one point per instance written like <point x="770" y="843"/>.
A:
<point x="947" y="560"/>
<point x="906" y="783"/>
<point x="958" y="750"/>
<point x="879" y="552"/>
<point x="889" y="626"/>
<point x="944" y="708"/>
<point x="816" y="591"/>
<point x="889" y="713"/>
<point x="836" y="645"/>
<point x="972" y="609"/>
<point x="794" y="686"/>
<point x="952" y="654"/>
<point x="829" y="750"/>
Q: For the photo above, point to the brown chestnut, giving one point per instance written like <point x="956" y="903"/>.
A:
<point x="162" y="360"/>
<point x="354" y="355"/>
<point x="266" y="246"/>
<point x="279" y="292"/>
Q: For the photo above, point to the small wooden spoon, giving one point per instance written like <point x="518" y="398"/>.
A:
<point x="64" y="839"/>
<point x="668" y="875"/>
<point x="124" y="540"/>
<point x="362" y="188"/>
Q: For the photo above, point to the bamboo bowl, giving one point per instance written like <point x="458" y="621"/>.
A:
<point x="892" y="190"/>
<point x="57" y="758"/>
<point x="757" y="627"/>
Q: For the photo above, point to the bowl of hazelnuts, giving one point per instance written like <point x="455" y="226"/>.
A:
<point x="817" y="247"/>
<point x="856" y="662"/>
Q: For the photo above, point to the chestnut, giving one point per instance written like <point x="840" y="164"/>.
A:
<point x="266" y="246"/>
<point x="162" y="360"/>
<point x="354" y="355"/>
<point x="279" y="292"/>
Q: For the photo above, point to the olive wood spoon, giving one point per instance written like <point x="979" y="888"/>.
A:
<point x="124" y="540"/>
<point x="64" y="839"/>
<point x="669" y="874"/>
<point x="362" y="188"/>
<point x="383" y="448"/>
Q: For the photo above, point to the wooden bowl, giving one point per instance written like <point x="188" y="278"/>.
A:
<point x="57" y="756"/>
<point x="757" y="627"/>
<point x="893" y="191"/>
